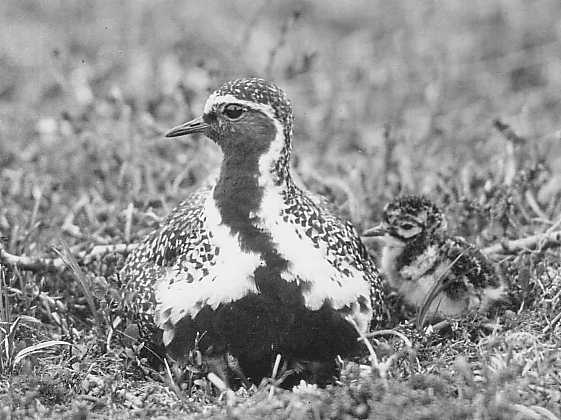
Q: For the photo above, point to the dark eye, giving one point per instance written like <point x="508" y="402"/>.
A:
<point x="233" y="111"/>
<point x="407" y="226"/>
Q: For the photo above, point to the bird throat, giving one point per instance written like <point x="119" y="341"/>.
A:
<point x="245" y="179"/>
<point x="245" y="174"/>
<point x="413" y="250"/>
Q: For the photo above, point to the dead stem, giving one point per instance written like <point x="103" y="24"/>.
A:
<point x="530" y="242"/>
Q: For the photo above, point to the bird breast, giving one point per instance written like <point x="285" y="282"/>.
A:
<point x="186" y="288"/>
<point x="330" y="277"/>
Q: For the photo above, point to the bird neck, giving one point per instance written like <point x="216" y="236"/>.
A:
<point x="274" y="165"/>
<point x="245" y="177"/>
<point x="413" y="250"/>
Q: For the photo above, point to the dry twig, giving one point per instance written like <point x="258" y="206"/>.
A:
<point x="508" y="133"/>
<point x="48" y="264"/>
<point x="390" y="332"/>
<point x="552" y="324"/>
<point x="533" y="203"/>
<point x="511" y="162"/>
<point x="530" y="242"/>
<point x="24" y="262"/>
<point x="281" y="42"/>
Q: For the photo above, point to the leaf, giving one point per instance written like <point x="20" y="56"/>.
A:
<point x="29" y="319"/>
<point x="37" y="348"/>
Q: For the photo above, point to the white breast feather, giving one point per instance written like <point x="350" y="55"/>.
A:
<point x="388" y="263"/>
<point x="415" y="292"/>
<point x="229" y="279"/>
<point x="308" y="263"/>
<point x="421" y="264"/>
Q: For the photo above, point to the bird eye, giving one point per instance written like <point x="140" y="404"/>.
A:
<point x="407" y="226"/>
<point x="233" y="111"/>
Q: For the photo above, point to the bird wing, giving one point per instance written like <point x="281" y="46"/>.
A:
<point x="344" y="246"/>
<point x="470" y="263"/>
<point x="158" y="251"/>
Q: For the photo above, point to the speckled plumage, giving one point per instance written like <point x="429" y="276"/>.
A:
<point x="253" y="261"/>
<point x="421" y="261"/>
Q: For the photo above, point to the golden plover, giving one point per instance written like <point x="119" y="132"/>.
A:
<point x="253" y="266"/>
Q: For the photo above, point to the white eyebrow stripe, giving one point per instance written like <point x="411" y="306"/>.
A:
<point x="217" y="100"/>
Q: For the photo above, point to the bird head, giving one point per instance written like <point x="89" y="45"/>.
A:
<point x="245" y="117"/>
<point x="406" y="219"/>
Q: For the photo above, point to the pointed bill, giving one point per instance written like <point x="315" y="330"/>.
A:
<point x="382" y="233"/>
<point x="191" y="127"/>
<point x="378" y="230"/>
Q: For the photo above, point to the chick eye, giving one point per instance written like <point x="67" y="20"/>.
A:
<point x="407" y="226"/>
<point x="233" y="111"/>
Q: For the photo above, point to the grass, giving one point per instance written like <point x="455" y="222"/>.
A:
<point x="389" y="97"/>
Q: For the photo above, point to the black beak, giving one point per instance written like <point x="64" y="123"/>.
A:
<point x="379" y="230"/>
<point x="194" y="126"/>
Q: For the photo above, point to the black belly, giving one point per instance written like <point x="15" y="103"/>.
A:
<point x="256" y="328"/>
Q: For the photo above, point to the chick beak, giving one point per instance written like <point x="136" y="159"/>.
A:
<point x="383" y="234"/>
<point x="191" y="127"/>
<point x="378" y="230"/>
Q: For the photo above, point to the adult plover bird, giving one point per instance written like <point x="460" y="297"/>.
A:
<point x="432" y="271"/>
<point x="253" y="266"/>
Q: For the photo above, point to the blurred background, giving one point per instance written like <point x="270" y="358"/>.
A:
<point x="460" y="100"/>
<point x="388" y="96"/>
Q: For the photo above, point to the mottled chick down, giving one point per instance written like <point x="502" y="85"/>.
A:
<point x="443" y="274"/>
<point x="253" y="266"/>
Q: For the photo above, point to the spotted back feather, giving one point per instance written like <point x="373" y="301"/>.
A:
<point x="323" y="224"/>
<point x="178" y="234"/>
<point x="469" y="262"/>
